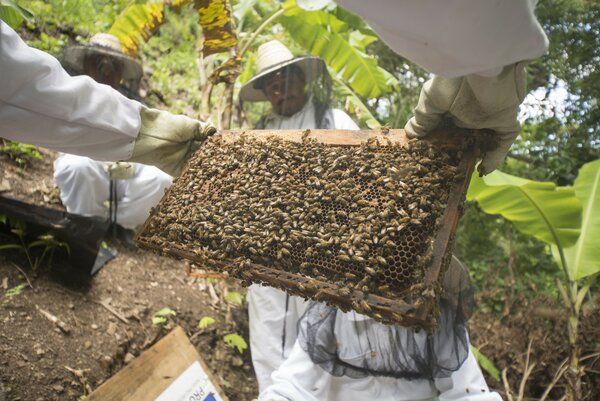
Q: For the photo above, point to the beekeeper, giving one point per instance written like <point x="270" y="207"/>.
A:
<point x="122" y="191"/>
<point x="41" y="104"/>
<point x="346" y="356"/>
<point x="298" y="90"/>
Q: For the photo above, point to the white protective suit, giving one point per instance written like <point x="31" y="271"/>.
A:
<point x="273" y="314"/>
<point x="85" y="189"/>
<point x="299" y="379"/>
<point x="43" y="105"/>
<point x="453" y="38"/>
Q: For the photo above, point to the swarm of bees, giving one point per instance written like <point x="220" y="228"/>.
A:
<point x="360" y="219"/>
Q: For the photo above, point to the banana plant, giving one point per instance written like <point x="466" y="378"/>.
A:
<point x="332" y="34"/>
<point x="566" y="218"/>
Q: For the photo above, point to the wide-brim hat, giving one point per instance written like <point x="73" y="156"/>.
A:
<point x="271" y="57"/>
<point x="106" y="44"/>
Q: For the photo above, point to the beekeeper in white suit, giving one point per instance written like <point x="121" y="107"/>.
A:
<point x="42" y="105"/>
<point x="346" y="356"/>
<point x="121" y="191"/>
<point x="478" y="50"/>
<point x="299" y="92"/>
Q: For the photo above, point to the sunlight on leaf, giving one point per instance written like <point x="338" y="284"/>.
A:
<point x="205" y="322"/>
<point x="541" y="209"/>
<point x="136" y="24"/>
<point x="235" y="341"/>
<point x="485" y="363"/>
<point x="234" y="297"/>
<point x="218" y="28"/>
<point x="583" y="259"/>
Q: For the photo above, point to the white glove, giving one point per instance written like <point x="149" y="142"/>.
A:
<point x="120" y="170"/>
<point x="167" y="140"/>
<point x="474" y="102"/>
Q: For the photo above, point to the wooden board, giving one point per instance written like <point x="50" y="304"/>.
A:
<point x="149" y="375"/>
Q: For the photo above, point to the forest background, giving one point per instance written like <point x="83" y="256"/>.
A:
<point x="510" y="267"/>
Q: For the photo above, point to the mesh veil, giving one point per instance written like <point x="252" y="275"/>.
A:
<point x="318" y="91"/>
<point x="353" y="345"/>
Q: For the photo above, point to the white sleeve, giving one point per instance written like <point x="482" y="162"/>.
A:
<point x="42" y="105"/>
<point x="298" y="379"/>
<point x="466" y="384"/>
<point x="341" y="120"/>
<point x="452" y="38"/>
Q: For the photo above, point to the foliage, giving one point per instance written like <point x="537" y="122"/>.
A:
<point x="485" y="363"/>
<point x="136" y="24"/>
<point x="583" y="258"/>
<point x="46" y="242"/>
<point x="342" y="48"/>
<point x="218" y="27"/>
<point x="161" y="317"/>
<point x="235" y="341"/>
<point x="547" y="222"/>
<point x="21" y="153"/>
<point x="13" y="14"/>
<point x="15" y="291"/>
<point x="235" y="298"/>
<point x="541" y="209"/>
<point x="503" y="262"/>
<point x="205" y="322"/>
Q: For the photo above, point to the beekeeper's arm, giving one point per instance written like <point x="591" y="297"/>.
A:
<point x="475" y="48"/>
<point x="298" y="378"/>
<point x="42" y="105"/>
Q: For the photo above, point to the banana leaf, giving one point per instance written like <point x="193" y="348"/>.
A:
<point x="541" y="209"/>
<point x="325" y="36"/>
<point x="583" y="259"/>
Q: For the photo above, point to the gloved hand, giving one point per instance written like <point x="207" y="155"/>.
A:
<point x="475" y="102"/>
<point x="120" y="170"/>
<point x="167" y="140"/>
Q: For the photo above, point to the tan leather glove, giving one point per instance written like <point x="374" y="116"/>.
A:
<point x="167" y="140"/>
<point x="120" y="170"/>
<point x="475" y="102"/>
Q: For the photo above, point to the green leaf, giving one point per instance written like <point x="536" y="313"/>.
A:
<point x="360" y="41"/>
<point x="205" y="322"/>
<point x="136" y="24"/>
<point x="234" y="297"/>
<point x="166" y="312"/>
<point x="13" y="14"/>
<point x="325" y="36"/>
<point x="235" y="341"/>
<point x="156" y="320"/>
<point x="485" y="363"/>
<point x="583" y="259"/>
<point x="541" y="209"/>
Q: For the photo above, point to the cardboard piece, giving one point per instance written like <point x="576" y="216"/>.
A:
<point x="170" y="370"/>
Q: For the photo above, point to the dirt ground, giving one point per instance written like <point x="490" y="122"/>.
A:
<point x="106" y="321"/>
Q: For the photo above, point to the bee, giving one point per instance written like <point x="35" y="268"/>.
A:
<point x="344" y="291"/>
<point x="383" y="288"/>
<point x="370" y="271"/>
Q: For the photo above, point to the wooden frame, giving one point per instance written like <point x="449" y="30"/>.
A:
<point x="382" y="308"/>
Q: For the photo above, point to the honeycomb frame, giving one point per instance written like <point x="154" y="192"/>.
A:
<point x="415" y="304"/>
